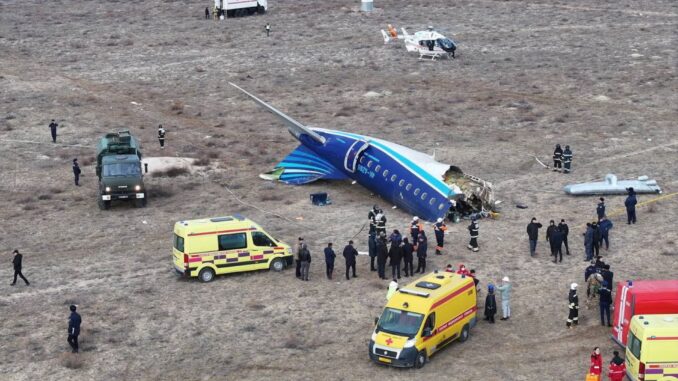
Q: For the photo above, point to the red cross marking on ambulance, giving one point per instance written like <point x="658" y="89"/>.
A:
<point x="389" y="341"/>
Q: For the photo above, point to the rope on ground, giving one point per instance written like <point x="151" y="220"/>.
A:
<point x="254" y="206"/>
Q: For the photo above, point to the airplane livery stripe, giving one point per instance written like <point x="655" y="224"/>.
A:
<point x="299" y="158"/>
<point x="439" y="185"/>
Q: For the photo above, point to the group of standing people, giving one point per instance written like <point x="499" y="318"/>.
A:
<point x="556" y="236"/>
<point x="562" y="159"/>
<point x="616" y="368"/>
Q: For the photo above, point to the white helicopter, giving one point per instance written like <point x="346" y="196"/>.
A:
<point x="428" y="43"/>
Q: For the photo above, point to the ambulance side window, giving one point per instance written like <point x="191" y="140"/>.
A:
<point x="634" y="345"/>
<point x="261" y="239"/>
<point x="430" y="323"/>
<point x="179" y="243"/>
<point x="232" y="241"/>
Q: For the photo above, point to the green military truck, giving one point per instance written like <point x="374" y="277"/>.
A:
<point x="119" y="170"/>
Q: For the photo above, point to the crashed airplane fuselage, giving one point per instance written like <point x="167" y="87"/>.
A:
<point x="409" y="179"/>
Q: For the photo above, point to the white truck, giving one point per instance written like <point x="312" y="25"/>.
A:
<point x="238" y="8"/>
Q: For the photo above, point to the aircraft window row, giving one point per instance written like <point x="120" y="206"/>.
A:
<point x="417" y="191"/>
<point x="401" y="183"/>
<point x="424" y="195"/>
<point x="369" y="164"/>
<point x="408" y="187"/>
<point x="385" y="172"/>
<point x="433" y="201"/>
<point x="362" y="159"/>
<point x="393" y="178"/>
<point x="442" y="205"/>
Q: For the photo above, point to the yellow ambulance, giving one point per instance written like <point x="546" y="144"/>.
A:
<point x="652" y="348"/>
<point x="207" y="247"/>
<point x="423" y="317"/>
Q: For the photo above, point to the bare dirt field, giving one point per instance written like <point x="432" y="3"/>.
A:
<point x="599" y="76"/>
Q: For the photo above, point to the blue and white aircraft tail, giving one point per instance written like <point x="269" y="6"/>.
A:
<point x="409" y="179"/>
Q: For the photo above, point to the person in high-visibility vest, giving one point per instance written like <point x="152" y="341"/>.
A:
<point x="439" y="229"/>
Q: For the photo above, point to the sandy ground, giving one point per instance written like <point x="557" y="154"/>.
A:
<point x="597" y="76"/>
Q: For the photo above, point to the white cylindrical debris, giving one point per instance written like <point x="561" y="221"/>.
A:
<point x="366" y="5"/>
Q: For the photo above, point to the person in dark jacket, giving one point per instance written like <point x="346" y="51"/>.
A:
<point x="300" y="245"/>
<point x="161" y="136"/>
<point x="604" y="226"/>
<point x="490" y="304"/>
<point x="305" y="259"/>
<point x="597" y="237"/>
<point x="562" y="226"/>
<point x="556" y="242"/>
<point x="329" y="260"/>
<point x="74" y="322"/>
<point x="550" y="230"/>
<point x="567" y="160"/>
<point x="473" y="230"/>
<point x="630" y="204"/>
<point x="16" y="262"/>
<point x="422" y="246"/>
<point x="382" y="256"/>
<point x="350" y="254"/>
<point x="207" y="13"/>
<point x="381" y="222"/>
<point x="605" y="301"/>
<point x="588" y="242"/>
<point x="408" y="250"/>
<point x="590" y="270"/>
<point x="608" y="276"/>
<point x="53" y="129"/>
<point x="395" y="253"/>
<point x="415" y="228"/>
<point x="533" y="234"/>
<point x="372" y="249"/>
<point x="600" y="209"/>
<point x="573" y="300"/>
<point x="557" y="158"/>
<point x="76" y="172"/>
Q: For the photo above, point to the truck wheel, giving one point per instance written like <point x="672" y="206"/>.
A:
<point x="260" y="9"/>
<point x="206" y="275"/>
<point x="420" y="361"/>
<point x="464" y="334"/>
<point x="104" y="205"/>
<point x="140" y="202"/>
<point x="277" y="265"/>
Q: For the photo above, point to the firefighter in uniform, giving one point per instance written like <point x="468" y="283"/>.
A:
<point x="567" y="160"/>
<point x="372" y="237"/>
<point x="439" y="229"/>
<point x="416" y="227"/>
<point x="473" y="231"/>
<point x="381" y="223"/>
<point x="76" y="172"/>
<point x="557" y="158"/>
<point x="573" y="317"/>
<point x="161" y="136"/>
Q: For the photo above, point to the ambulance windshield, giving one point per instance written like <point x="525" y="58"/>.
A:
<point x="399" y="322"/>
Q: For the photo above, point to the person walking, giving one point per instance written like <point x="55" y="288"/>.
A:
<point x="597" y="237"/>
<point x="490" y="304"/>
<point x="573" y="317"/>
<point x="268" y="29"/>
<point x="305" y="258"/>
<point x="562" y="226"/>
<point x="533" y="234"/>
<point x="600" y="209"/>
<point x="350" y="254"/>
<point x="395" y="252"/>
<point x="605" y="301"/>
<point x="76" y="172"/>
<point x="382" y="255"/>
<point x="439" y="229"/>
<point x="207" y="13"/>
<point x="408" y="257"/>
<point x="300" y="246"/>
<point x="329" y="260"/>
<point x="372" y="248"/>
<point x="557" y="158"/>
<point x="549" y="232"/>
<point x="588" y="242"/>
<point x="567" y="160"/>
<point x="617" y="368"/>
<point x="473" y="229"/>
<point x="604" y="226"/>
<point x="74" y="322"/>
<point x="17" y="263"/>
<point x="422" y="247"/>
<point x="161" y="136"/>
<point x="505" y="290"/>
<point x="53" y="129"/>
<point x="596" y="367"/>
<point x="392" y="289"/>
<point x="630" y="204"/>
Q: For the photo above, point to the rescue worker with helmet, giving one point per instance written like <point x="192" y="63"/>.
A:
<point x="567" y="160"/>
<point x="557" y="158"/>
<point x="439" y="229"/>
<point x="573" y="317"/>
<point x="473" y="229"/>
<point x="415" y="228"/>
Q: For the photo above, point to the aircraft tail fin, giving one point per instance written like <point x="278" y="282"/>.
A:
<point x="303" y="166"/>
<point x="297" y="129"/>
<point x="387" y="39"/>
